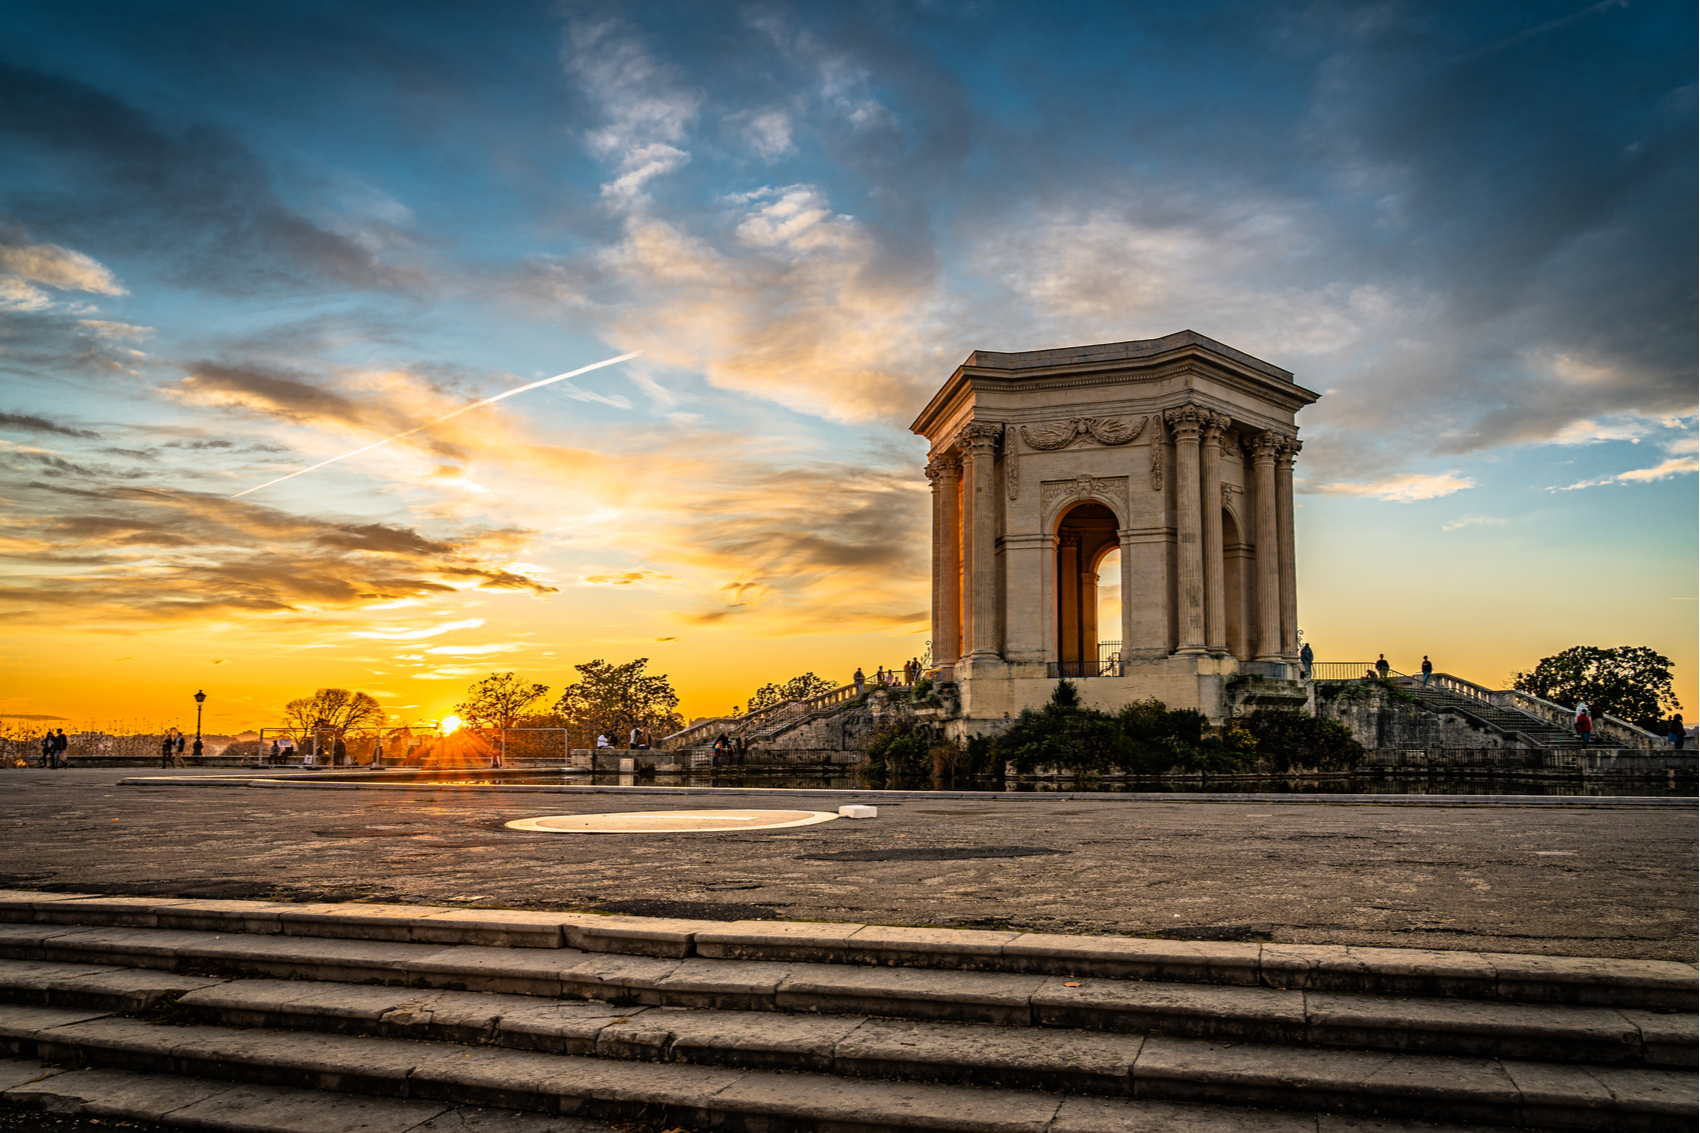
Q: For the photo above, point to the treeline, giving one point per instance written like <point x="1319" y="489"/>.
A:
<point x="1144" y="738"/>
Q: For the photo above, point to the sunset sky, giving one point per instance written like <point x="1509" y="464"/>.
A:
<point x="239" y="239"/>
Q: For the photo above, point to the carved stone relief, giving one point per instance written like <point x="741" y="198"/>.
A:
<point x="1060" y="434"/>
<point x="1112" y="488"/>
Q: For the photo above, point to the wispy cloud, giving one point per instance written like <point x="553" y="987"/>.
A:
<point x="1404" y="488"/>
<point x="1464" y="521"/>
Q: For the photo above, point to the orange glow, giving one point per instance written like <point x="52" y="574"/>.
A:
<point x="449" y="724"/>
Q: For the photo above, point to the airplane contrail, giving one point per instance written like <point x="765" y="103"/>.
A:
<point x="445" y="417"/>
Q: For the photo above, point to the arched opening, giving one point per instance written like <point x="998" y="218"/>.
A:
<point x="1236" y="576"/>
<point x="1109" y="604"/>
<point x="1086" y="533"/>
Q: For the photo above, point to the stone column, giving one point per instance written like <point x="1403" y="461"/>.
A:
<point x="1088" y="621"/>
<point x="1068" y="597"/>
<point x="1210" y="493"/>
<point x="978" y="443"/>
<point x="1263" y="452"/>
<point x="1189" y="585"/>
<point x="947" y="627"/>
<point x="1284" y="536"/>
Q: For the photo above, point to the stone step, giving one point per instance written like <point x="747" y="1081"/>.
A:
<point x="664" y="1011"/>
<point x="1420" y="1087"/>
<point x="1643" y="984"/>
<point x="231" y="1107"/>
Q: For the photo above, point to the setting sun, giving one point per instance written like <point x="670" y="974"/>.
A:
<point x="449" y="724"/>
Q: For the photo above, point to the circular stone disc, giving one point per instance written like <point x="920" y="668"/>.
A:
<point x="672" y="821"/>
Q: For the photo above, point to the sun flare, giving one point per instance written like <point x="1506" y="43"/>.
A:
<point x="449" y="724"/>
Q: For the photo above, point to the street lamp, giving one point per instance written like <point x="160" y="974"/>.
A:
<point x="200" y="698"/>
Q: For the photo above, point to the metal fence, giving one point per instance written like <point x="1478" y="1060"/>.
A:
<point x="1345" y="671"/>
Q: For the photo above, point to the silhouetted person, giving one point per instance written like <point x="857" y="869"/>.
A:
<point x="165" y="752"/>
<point x="1428" y="668"/>
<point x="47" y="748"/>
<point x="1678" y="733"/>
<point x="60" y="743"/>
<point x="1381" y="667"/>
<point x="1307" y="659"/>
<point x="861" y="681"/>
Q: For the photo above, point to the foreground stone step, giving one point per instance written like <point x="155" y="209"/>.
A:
<point x="204" y="1103"/>
<point x="1176" y="1070"/>
<point x="1642" y="984"/>
<point x="210" y="1104"/>
<point x="1579" y="1034"/>
<point x="431" y="980"/>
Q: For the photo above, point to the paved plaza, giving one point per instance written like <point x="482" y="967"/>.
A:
<point x="1575" y="880"/>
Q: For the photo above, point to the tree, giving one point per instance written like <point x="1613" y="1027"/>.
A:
<point x="797" y="688"/>
<point x="617" y="698"/>
<point x="1631" y="682"/>
<point x="498" y="701"/>
<point x="337" y="709"/>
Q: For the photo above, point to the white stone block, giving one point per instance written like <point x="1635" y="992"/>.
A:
<point x="858" y="812"/>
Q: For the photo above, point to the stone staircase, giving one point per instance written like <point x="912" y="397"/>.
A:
<point x="319" y="1018"/>
<point x="1502" y="719"/>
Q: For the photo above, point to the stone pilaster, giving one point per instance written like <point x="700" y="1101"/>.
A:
<point x="1284" y="455"/>
<point x="1187" y="422"/>
<point x="945" y="471"/>
<point x="1210" y="493"/>
<point x="978" y="443"/>
<point x="1068" y="597"/>
<point x="1264" y="450"/>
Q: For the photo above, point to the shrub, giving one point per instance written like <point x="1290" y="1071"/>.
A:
<point x="1289" y="739"/>
<point x="1063" y="735"/>
<point x="902" y="748"/>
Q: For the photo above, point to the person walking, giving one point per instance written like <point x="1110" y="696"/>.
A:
<point x="47" y="748"/>
<point x="165" y="751"/>
<point x="1677" y="733"/>
<point x="1307" y="659"/>
<point x="861" y="681"/>
<point x="1584" y="725"/>
<point x="60" y="743"/>
<point x="1381" y="667"/>
<point x="1428" y="668"/>
<point x="180" y="746"/>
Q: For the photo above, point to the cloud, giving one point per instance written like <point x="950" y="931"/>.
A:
<point x="417" y="633"/>
<point x="194" y="197"/>
<point x="59" y="268"/>
<point x="1464" y="521"/>
<point x="1404" y="488"/>
<point x="452" y="673"/>
<point x="28" y="422"/>
<point x="645" y="110"/>
<point x="472" y="650"/>
<point x="82" y="550"/>
<point x="1671" y="466"/>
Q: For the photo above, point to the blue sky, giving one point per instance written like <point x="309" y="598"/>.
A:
<point x="239" y="239"/>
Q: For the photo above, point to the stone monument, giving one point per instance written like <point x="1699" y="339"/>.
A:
<point x="1177" y="451"/>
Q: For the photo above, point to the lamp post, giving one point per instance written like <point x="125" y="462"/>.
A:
<point x="200" y="698"/>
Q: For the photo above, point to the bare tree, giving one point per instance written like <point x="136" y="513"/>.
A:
<point x="338" y="710"/>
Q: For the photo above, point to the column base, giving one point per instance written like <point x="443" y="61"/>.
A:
<point x="1199" y="650"/>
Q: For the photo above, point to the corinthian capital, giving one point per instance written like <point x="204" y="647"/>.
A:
<point x="979" y="437"/>
<point x="1187" y="421"/>
<point x="1265" y="446"/>
<point x="944" y="466"/>
<point x="1288" y="449"/>
<point x="1214" y="425"/>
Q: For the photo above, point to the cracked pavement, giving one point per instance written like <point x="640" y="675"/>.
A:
<point x="1562" y="880"/>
